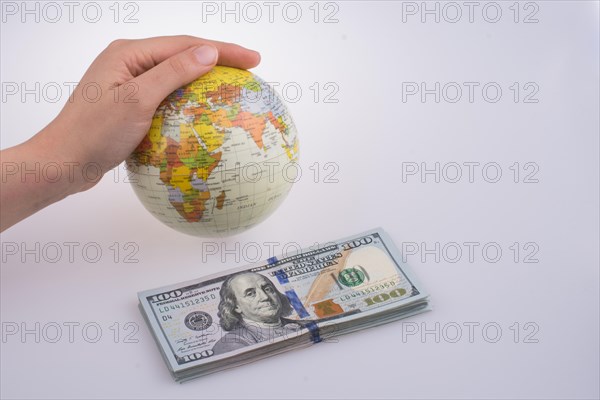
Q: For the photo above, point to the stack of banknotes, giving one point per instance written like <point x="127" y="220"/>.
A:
<point x="241" y="315"/>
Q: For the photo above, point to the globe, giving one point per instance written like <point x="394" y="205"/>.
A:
<point x="220" y="156"/>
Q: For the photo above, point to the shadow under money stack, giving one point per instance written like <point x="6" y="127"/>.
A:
<point x="245" y="314"/>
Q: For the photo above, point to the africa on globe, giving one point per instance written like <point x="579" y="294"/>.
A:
<point x="220" y="155"/>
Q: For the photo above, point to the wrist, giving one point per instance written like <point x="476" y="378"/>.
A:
<point x="40" y="172"/>
<point x="63" y="169"/>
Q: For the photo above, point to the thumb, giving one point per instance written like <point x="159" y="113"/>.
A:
<point x="174" y="72"/>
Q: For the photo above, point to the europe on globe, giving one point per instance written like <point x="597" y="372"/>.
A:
<point x="220" y="155"/>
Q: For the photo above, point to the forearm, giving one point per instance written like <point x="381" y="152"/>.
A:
<point x="34" y="175"/>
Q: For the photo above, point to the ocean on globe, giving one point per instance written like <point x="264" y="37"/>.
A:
<point x="220" y="155"/>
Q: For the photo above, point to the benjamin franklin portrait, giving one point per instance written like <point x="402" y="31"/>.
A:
<point x="251" y="311"/>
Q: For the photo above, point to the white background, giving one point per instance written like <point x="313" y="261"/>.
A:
<point x="371" y="135"/>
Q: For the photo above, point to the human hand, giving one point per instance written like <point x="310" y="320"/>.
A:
<point x="134" y="77"/>
<point x="109" y="113"/>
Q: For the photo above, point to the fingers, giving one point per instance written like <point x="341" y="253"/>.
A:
<point x="156" y="50"/>
<point x="174" y="72"/>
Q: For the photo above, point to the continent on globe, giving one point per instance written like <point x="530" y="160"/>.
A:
<point x="216" y="160"/>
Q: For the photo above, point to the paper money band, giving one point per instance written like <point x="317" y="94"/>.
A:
<point x="314" y="332"/>
<point x="315" y="335"/>
<point x="312" y="327"/>
<point x="280" y="274"/>
<point x="296" y="303"/>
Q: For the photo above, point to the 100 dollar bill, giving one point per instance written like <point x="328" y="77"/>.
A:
<point x="297" y="299"/>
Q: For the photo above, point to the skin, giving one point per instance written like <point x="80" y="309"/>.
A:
<point x="256" y="299"/>
<point x="134" y="76"/>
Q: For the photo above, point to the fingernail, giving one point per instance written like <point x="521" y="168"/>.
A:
<point x="206" y="55"/>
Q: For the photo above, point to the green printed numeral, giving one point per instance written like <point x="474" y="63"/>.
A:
<point x="380" y="298"/>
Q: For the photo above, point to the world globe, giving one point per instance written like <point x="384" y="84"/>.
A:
<point x="220" y="156"/>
